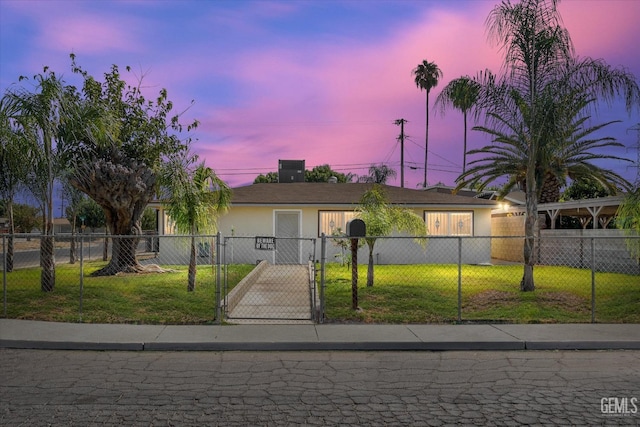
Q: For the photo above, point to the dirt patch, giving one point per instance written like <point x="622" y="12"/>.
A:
<point x="565" y="301"/>
<point x="562" y="300"/>
<point x="490" y="299"/>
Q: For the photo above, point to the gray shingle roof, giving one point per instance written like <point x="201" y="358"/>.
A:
<point x="312" y="193"/>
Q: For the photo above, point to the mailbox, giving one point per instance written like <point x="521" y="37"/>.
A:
<point x="356" y="228"/>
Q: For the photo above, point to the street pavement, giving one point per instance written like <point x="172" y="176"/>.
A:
<point x="296" y="337"/>
<point x="265" y="388"/>
<point x="326" y="374"/>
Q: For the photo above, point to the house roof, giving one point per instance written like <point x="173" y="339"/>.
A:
<point x="322" y="193"/>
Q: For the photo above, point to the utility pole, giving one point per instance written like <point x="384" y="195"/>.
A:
<point x="401" y="122"/>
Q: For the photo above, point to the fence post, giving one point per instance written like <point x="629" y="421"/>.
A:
<point x="81" y="273"/>
<point x="323" y="260"/>
<point x="4" y="274"/>
<point x="459" y="279"/>
<point x="593" y="280"/>
<point x="218" y="282"/>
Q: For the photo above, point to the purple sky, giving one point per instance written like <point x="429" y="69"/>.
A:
<point x="319" y="80"/>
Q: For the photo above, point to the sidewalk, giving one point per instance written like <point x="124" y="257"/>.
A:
<point x="29" y="334"/>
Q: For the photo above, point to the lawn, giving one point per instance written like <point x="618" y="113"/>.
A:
<point x="401" y="294"/>
<point x="429" y="294"/>
<point x="153" y="298"/>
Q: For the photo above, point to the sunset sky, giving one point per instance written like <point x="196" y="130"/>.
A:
<point x="317" y="80"/>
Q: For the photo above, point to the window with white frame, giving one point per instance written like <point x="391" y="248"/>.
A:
<point x="449" y="223"/>
<point x="334" y="221"/>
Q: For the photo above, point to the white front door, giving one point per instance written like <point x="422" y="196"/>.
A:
<point x="287" y="225"/>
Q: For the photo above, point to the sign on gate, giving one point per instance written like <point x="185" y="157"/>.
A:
<point x="266" y="243"/>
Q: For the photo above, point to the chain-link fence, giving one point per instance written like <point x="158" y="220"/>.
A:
<point x="478" y="279"/>
<point x="206" y="279"/>
<point x="282" y="287"/>
<point x="112" y="279"/>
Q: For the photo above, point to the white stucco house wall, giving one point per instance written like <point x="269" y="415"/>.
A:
<point x="288" y="211"/>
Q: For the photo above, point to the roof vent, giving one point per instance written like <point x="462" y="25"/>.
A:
<point x="332" y="180"/>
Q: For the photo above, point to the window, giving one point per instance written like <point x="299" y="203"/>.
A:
<point x="443" y="223"/>
<point x="330" y="221"/>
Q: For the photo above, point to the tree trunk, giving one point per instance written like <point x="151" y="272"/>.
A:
<point x="9" y="265"/>
<point x="48" y="264"/>
<point x="531" y="219"/>
<point x="191" y="286"/>
<point x="426" y="140"/>
<point x="550" y="191"/>
<point x="370" y="268"/>
<point x="123" y="188"/>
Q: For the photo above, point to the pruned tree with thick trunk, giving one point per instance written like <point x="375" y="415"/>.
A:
<point x="117" y="142"/>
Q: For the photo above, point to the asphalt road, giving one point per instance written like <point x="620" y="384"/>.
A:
<point x="43" y="387"/>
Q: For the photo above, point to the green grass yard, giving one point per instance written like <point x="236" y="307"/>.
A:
<point x="152" y="298"/>
<point x="429" y="294"/>
<point x="401" y="294"/>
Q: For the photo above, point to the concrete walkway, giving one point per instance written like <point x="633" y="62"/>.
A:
<point x="275" y="294"/>
<point x="83" y="336"/>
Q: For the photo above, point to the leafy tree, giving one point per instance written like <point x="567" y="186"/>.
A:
<point x="322" y="173"/>
<point x="585" y="189"/>
<point x="426" y="76"/>
<point x="118" y="141"/>
<point x="89" y="214"/>
<point x="381" y="219"/>
<point x="270" y="177"/>
<point x="533" y="110"/>
<point x="25" y="218"/>
<point x="149" y="220"/>
<point x="378" y="174"/>
<point x="196" y="197"/>
<point x="461" y="93"/>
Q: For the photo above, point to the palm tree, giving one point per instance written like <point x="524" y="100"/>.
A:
<point x="524" y="107"/>
<point x="426" y="76"/>
<point x="461" y="93"/>
<point x="14" y="166"/>
<point x="196" y="197"/>
<point x="39" y="115"/>
<point x="381" y="219"/>
<point x="378" y="174"/>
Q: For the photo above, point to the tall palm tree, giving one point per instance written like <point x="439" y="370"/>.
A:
<point x="196" y="197"/>
<point x="378" y="174"/>
<point x="426" y="76"/>
<point x="14" y="166"/>
<point x="39" y="115"/>
<point x="461" y="93"/>
<point x="542" y="76"/>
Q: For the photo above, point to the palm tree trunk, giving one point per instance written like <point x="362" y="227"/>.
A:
<point x="370" y="268"/>
<point x="426" y="141"/>
<point x="9" y="267"/>
<point x="191" y="286"/>
<point x="464" y="148"/>
<point x="531" y="219"/>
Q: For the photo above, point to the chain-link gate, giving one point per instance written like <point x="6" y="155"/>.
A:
<point x="281" y="284"/>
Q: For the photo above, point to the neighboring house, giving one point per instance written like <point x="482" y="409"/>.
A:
<point x="307" y="210"/>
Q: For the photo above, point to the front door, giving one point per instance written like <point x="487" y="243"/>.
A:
<point x="287" y="237"/>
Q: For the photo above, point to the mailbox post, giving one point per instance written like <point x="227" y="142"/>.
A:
<point x="356" y="229"/>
